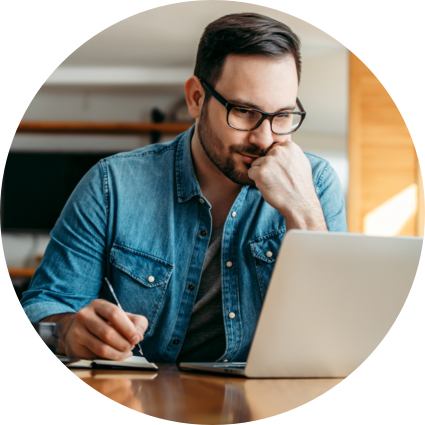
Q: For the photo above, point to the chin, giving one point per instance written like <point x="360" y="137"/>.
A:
<point x="238" y="175"/>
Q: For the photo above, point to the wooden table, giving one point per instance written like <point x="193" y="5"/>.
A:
<point x="201" y="398"/>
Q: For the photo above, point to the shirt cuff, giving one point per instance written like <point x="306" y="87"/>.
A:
<point x="40" y="310"/>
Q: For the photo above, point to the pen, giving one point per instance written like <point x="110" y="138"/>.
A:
<point x="111" y="290"/>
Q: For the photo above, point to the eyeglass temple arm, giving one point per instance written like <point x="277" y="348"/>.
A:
<point x="301" y="107"/>
<point x="213" y="93"/>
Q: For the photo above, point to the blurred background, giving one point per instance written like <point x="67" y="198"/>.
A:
<point x="123" y="89"/>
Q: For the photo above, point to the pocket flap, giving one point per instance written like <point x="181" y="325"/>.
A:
<point x="267" y="247"/>
<point x="146" y="269"/>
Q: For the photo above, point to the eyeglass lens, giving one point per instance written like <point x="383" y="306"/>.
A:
<point x="247" y="119"/>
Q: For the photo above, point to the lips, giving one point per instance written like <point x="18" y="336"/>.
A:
<point x="248" y="159"/>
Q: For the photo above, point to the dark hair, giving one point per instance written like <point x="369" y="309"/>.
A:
<point x="243" y="34"/>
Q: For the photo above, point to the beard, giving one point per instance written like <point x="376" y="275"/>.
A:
<point x="224" y="158"/>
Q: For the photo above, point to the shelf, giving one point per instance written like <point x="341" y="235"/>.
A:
<point x="116" y="128"/>
<point x="21" y="272"/>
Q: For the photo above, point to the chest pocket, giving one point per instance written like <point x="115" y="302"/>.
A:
<point x="265" y="250"/>
<point x="140" y="281"/>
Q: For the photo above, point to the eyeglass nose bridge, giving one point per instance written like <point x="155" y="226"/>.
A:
<point x="264" y="116"/>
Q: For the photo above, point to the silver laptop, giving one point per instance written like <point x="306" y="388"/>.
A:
<point x="332" y="298"/>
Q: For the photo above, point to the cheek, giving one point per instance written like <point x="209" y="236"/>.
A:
<point x="227" y="136"/>
<point x="238" y="139"/>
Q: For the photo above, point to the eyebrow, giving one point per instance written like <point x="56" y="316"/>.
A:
<point x="239" y="102"/>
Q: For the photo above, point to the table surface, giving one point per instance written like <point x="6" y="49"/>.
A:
<point x="203" y="398"/>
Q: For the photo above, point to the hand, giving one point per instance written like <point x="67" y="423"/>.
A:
<point x="284" y="178"/>
<point x="102" y="329"/>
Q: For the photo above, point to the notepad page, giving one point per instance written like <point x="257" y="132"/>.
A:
<point x="132" y="362"/>
<point x="81" y="364"/>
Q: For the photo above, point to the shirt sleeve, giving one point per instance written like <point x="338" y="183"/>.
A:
<point x="329" y="191"/>
<point x="70" y="274"/>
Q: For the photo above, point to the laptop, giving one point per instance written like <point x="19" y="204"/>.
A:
<point x="331" y="300"/>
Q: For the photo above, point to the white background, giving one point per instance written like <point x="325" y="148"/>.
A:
<point x="386" y="35"/>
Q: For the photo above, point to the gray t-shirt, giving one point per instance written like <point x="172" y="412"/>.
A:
<point x="205" y="339"/>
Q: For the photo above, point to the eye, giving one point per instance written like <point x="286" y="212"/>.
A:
<point x="283" y="117"/>
<point x="243" y="111"/>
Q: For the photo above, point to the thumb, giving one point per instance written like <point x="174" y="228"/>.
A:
<point x="140" y="322"/>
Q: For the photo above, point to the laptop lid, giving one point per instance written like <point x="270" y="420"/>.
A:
<point x="331" y="300"/>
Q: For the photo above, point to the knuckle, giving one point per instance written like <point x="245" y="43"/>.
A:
<point x="115" y="314"/>
<point x="95" y="304"/>
<point x="104" y="351"/>
<point x="106" y="335"/>
<point x="126" y="347"/>
<point x="82" y="315"/>
<point x="75" y="333"/>
<point x="271" y="160"/>
<point x="142" y="324"/>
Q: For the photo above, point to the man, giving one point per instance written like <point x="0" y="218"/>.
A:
<point x="188" y="231"/>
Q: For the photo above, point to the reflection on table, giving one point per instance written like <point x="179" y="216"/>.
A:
<point x="201" y="398"/>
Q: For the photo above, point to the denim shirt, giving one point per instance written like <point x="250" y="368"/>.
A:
<point x="140" y="219"/>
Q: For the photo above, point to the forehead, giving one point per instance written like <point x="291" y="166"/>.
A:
<point x="269" y="83"/>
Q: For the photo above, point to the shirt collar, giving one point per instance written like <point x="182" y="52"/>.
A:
<point x="187" y="184"/>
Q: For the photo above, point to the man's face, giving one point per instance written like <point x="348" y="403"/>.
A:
<point x="269" y="85"/>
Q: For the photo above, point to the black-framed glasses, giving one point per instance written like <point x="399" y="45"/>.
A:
<point x="245" y="118"/>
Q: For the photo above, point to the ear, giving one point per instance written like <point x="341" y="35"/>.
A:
<point x="195" y="95"/>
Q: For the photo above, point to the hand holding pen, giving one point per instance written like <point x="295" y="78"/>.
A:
<point x="112" y="292"/>
<point x="100" y="330"/>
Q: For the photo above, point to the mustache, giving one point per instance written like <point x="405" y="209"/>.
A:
<point x="250" y="150"/>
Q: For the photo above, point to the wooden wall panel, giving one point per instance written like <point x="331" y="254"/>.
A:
<point x="421" y="202"/>
<point x="382" y="156"/>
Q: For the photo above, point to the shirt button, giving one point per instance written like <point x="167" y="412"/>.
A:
<point x="151" y="279"/>
<point x="203" y="232"/>
<point x="234" y="214"/>
<point x="229" y="264"/>
<point x="232" y="315"/>
<point x="269" y="254"/>
<point x="201" y="201"/>
<point x="225" y="361"/>
<point x="191" y="287"/>
<point x="176" y="341"/>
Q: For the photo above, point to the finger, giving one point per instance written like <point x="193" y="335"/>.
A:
<point x="141" y="323"/>
<point x="104" y="330"/>
<point x="283" y="143"/>
<point x="107" y="333"/>
<point x="118" y="318"/>
<point x="81" y="352"/>
<point x="253" y="173"/>
<point x="259" y="161"/>
<point x="99" y="348"/>
<point x="282" y="148"/>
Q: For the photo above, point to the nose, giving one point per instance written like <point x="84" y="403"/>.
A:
<point x="262" y="137"/>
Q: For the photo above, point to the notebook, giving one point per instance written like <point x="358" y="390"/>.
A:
<point x="331" y="300"/>
<point x="132" y="363"/>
